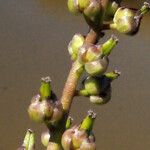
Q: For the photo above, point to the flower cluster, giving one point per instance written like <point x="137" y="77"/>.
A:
<point x="91" y="59"/>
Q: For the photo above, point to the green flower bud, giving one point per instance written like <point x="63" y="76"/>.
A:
<point x="83" y="4"/>
<point x="38" y="110"/>
<point x="45" y="89"/>
<point x="73" y="6"/>
<point x="69" y="122"/>
<point x="92" y="86"/>
<point x="111" y="10"/>
<point x="45" y="137"/>
<point x="108" y="46"/>
<point x="98" y="67"/>
<point x="73" y="47"/>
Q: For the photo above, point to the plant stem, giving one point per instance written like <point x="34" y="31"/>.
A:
<point x="74" y="76"/>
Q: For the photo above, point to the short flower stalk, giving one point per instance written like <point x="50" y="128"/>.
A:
<point x="90" y="58"/>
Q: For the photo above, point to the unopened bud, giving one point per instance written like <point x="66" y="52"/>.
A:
<point x="73" y="47"/>
<point x="38" y="110"/>
<point x="126" y="21"/>
<point x="57" y="114"/>
<point x="98" y="67"/>
<point x="45" y="137"/>
<point x="88" y="52"/>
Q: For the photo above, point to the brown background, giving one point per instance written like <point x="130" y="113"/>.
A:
<point x="33" y="43"/>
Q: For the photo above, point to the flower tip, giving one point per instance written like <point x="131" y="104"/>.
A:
<point x="147" y="5"/>
<point x="70" y="118"/>
<point x="91" y="114"/>
<point x="115" y="38"/>
<point x="30" y="131"/>
<point x="46" y="79"/>
<point x="117" y="72"/>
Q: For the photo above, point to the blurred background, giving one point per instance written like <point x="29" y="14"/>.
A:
<point x="34" y="35"/>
